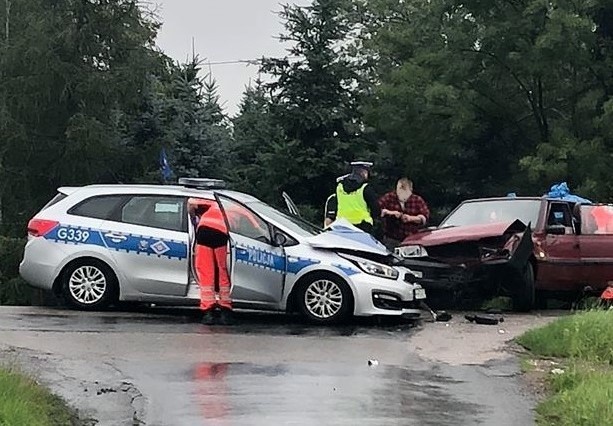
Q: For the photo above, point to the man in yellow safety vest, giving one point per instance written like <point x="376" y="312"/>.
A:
<point x="355" y="201"/>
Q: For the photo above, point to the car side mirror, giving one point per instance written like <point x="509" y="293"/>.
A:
<point x="556" y="229"/>
<point x="280" y="240"/>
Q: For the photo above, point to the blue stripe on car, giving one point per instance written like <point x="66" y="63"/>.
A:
<point x="129" y="243"/>
<point x="149" y="246"/>
<point x="347" y="270"/>
<point x="272" y="261"/>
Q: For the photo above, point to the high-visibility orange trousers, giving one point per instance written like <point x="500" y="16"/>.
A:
<point x="208" y="261"/>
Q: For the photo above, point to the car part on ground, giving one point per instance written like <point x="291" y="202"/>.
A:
<point x="441" y="316"/>
<point x="484" y="319"/>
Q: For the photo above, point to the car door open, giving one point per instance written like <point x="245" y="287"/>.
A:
<point x="597" y="244"/>
<point x="291" y="206"/>
<point x="258" y="264"/>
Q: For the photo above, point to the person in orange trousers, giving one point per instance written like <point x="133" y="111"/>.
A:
<point x="211" y="263"/>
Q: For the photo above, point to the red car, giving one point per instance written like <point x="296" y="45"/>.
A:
<point x="527" y="248"/>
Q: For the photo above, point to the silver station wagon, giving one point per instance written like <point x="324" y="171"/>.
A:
<point x="99" y="244"/>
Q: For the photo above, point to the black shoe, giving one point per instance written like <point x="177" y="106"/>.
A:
<point x="208" y="318"/>
<point x="225" y="317"/>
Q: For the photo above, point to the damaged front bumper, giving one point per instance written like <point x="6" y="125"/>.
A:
<point x="456" y="284"/>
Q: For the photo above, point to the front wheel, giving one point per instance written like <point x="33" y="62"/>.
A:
<point x="89" y="285"/>
<point x="525" y="297"/>
<point x="325" y="299"/>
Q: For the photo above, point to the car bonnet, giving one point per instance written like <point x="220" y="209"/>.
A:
<point x="343" y="236"/>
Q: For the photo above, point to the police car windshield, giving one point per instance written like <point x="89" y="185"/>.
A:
<point x="292" y="223"/>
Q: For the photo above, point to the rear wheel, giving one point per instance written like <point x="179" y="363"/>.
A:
<point x="325" y="299"/>
<point x="89" y="285"/>
<point x="525" y="296"/>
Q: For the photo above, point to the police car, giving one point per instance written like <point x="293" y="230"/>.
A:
<point x="99" y="244"/>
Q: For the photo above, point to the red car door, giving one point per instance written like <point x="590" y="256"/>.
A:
<point x="558" y="252"/>
<point x="596" y="241"/>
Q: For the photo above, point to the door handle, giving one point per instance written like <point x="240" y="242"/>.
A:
<point x="114" y="236"/>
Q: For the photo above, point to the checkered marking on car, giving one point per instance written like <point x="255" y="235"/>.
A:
<point x="120" y="242"/>
<point x="160" y="248"/>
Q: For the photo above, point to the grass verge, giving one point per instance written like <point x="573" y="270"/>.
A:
<point x="581" y="385"/>
<point x="24" y="402"/>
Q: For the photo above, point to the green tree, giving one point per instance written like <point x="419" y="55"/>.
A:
<point x="195" y="128"/>
<point x="478" y="98"/>
<point x="314" y="101"/>
<point x="72" y="71"/>
<point x="255" y="131"/>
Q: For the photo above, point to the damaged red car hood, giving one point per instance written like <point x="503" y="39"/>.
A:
<point x="438" y="236"/>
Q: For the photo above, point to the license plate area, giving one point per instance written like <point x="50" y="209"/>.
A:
<point x="419" y="293"/>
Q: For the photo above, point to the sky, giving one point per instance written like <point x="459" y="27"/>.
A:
<point x="223" y="30"/>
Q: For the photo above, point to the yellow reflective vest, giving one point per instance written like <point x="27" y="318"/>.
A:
<point x="352" y="206"/>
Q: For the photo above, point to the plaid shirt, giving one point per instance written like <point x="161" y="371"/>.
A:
<point x="395" y="228"/>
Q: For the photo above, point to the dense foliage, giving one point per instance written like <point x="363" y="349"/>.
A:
<point x="468" y="98"/>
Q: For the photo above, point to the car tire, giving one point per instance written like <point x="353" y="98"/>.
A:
<point x="525" y="298"/>
<point x="325" y="299"/>
<point x="89" y="285"/>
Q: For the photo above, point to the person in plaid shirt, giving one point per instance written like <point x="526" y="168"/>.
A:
<point x="403" y="212"/>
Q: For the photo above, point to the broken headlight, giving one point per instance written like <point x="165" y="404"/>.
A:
<point x="373" y="268"/>
<point x="411" y="251"/>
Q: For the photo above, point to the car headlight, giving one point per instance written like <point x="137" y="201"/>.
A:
<point x="411" y="251"/>
<point x="374" y="268"/>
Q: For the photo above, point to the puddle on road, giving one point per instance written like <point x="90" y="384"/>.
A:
<point x="319" y="392"/>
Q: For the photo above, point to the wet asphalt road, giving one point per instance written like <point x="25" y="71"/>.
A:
<point x="161" y="367"/>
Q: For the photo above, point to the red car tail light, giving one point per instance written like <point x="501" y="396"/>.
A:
<point x="41" y="227"/>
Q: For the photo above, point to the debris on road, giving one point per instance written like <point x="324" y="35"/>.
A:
<point x="373" y="362"/>
<point x="484" y="319"/>
<point x="442" y="316"/>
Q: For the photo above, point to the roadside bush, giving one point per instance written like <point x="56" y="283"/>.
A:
<point x="586" y="336"/>
<point x="11" y="252"/>
<point x="24" y="402"/>
<point x="582" y="389"/>
<point x="13" y="290"/>
<point x="582" y="397"/>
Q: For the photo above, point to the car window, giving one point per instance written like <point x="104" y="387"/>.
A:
<point x="155" y="212"/>
<point x="58" y="197"/>
<point x="560" y="214"/>
<point x="243" y="221"/>
<point x="597" y="220"/>
<point x="490" y="211"/>
<point x="293" y="223"/>
<point x="100" y="207"/>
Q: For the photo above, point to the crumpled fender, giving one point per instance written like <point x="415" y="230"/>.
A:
<point x="524" y="251"/>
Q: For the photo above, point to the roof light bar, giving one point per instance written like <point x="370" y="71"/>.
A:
<point x="202" y="183"/>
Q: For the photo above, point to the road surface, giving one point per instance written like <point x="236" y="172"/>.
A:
<point x="162" y="367"/>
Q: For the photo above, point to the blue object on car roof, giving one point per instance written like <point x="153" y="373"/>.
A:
<point x="560" y="191"/>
